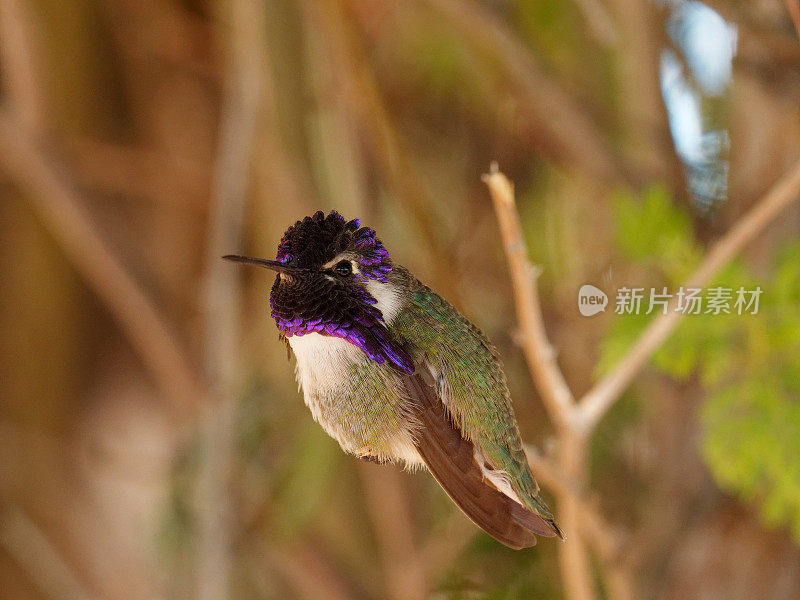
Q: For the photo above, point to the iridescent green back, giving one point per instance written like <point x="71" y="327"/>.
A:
<point x="472" y="382"/>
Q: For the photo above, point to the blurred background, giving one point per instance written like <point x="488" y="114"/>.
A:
<point x="152" y="440"/>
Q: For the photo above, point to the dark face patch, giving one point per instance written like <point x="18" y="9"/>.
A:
<point x="317" y="240"/>
<point x="334" y="301"/>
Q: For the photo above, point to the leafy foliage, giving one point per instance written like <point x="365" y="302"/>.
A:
<point x="751" y="417"/>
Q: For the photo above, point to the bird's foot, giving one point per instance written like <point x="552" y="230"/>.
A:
<point x="367" y="453"/>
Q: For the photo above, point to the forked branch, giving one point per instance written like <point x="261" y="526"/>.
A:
<point x="575" y="422"/>
<point x="607" y="391"/>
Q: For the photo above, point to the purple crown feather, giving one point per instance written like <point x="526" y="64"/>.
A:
<point x="320" y="302"/>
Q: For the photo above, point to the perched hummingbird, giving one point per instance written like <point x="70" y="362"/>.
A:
<point x="396" y="374"/>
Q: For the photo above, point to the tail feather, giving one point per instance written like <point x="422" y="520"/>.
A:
<point x="451" y="460"/>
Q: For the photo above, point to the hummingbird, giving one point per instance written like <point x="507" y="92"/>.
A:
<point x="395" y="374"/>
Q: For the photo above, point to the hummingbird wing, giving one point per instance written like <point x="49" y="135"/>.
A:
<point x="451" y="460"/>
<point x="461" y="371"/>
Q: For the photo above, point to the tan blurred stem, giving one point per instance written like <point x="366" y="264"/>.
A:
<point x="793" y="7"/>
<point x="568" y="134"/>
<point x="393" y="157"/>
<point x="303" y="570"/>
<point x="598" y="21"/>
<point x="121" y="170"/>
<point x="388" y="506"/>
<point x="37" y="556"/>
<point x="597" y="401"/>
<point x="241" y="26"/>
<point x="446" y="543"/>
<point x="18" y="61"/>
<point x="59" y="205"/>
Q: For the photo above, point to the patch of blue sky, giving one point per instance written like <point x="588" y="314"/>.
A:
<point x="707" y="41"/>
<point x="707" y="45"/>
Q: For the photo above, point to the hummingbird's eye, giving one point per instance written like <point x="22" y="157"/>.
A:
<point x="343" y="268"/>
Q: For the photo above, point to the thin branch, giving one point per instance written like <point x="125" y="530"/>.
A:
<point x="241" y="27"/>
<point x="540" y="356"/>
<point x="30" y="548"/>
<point x="575" y="565"/>
<point x="607" y="391"/>
<point x="574" y="559"/>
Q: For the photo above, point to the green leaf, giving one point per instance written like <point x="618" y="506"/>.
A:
<point x="748" y="362"/>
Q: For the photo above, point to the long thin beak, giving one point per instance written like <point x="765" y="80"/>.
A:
<point x="261" y="262"/>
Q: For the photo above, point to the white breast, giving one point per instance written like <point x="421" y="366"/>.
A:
<point x="322" y="360"/>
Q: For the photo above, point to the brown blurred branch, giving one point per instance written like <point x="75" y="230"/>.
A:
<point x="18" y="57"/>
<point x="597" y="401"/>
<point x="241" y="28"/>
<point x="139" y="173"/>
<point x="58" y="203"/>
<point x="303" y="570"/>
<point x="394" y="159"/>
<point x="28" y="545"/>
<point x="598" y="21"/>
<point x="793" y="8"/>
<point x="445" y="544"/>
<point x="568" y="133"/>
<point x="387" y="503"/>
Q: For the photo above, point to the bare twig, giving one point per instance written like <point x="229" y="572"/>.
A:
<point x="539" y="354"/>
<point x="28" y="545"/>
<point x="242" y="27"/>
<point x="576" y="572"/>
<point x="605" y="393"/>
<point x="567" y="478"/>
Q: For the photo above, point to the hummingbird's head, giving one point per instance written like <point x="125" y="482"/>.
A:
<point x="329" y="272"/>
